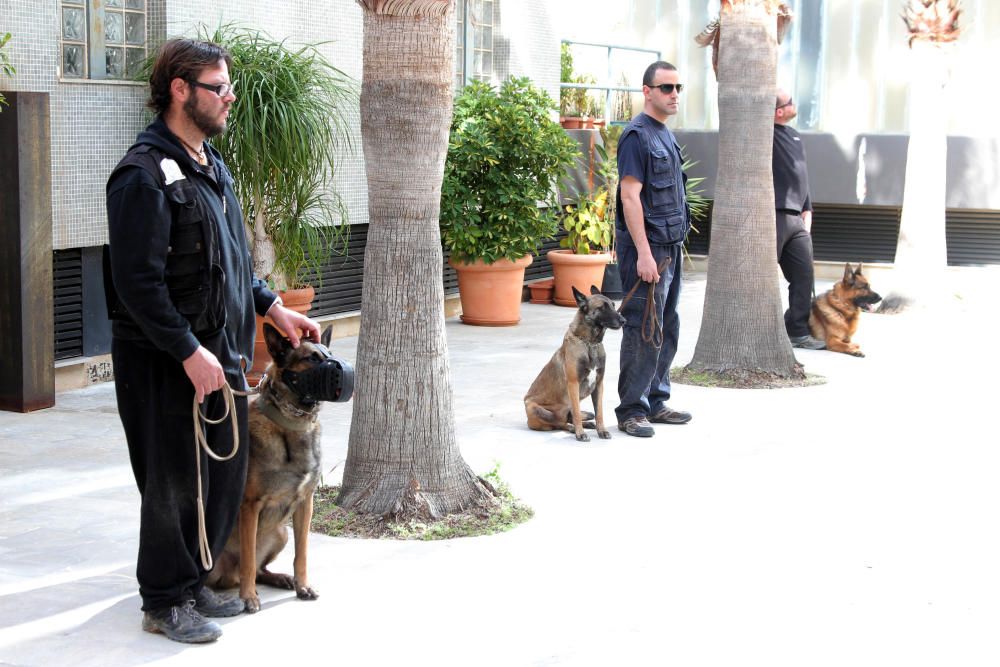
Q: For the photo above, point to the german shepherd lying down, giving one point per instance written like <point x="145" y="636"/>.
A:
<point x="835" y="314"/>
<point x="283" y="471"/>
<point x="575" y="370"/>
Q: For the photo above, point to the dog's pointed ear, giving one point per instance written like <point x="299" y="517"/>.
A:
<point x="277" y="345"/>
<point x="848" y="273"/>
<point x="581" y="298"/>
<point x="857" y="271"/>
<point x="327" y="336"/>
<point x="594" y="290"/>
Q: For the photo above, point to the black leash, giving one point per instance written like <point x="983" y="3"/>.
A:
<point x="652" y="328"/>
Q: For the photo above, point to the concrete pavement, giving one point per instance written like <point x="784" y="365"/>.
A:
<point x="852" y="523"/>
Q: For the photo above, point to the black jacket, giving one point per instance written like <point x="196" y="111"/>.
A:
<point x="178" y="254"/>
<point x="791" y="179"/>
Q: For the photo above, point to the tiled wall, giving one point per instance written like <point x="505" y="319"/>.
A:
<point x="94" y="123"/>
<point x="527" y="45"/>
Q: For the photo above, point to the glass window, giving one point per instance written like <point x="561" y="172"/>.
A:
<point x="474" y="41"/>
<point x="103" y="39"/>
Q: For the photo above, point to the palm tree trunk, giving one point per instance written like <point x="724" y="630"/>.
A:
<point x="262" y="249"/>
<point x="922" y="248"/>
<point x="402" y="457"/>
<point x="743" y="326"/>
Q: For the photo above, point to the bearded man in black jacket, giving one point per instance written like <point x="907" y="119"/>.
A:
<point x="183" y="304"/>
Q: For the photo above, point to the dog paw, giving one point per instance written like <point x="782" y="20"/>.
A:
<point x="276" y="580"/>
<point x="251" y="605"/>
<point x="583" y="437"/>
<point x="856" y="353"/>
<point x="604" y="435"/>
<point x="306" y="593"/>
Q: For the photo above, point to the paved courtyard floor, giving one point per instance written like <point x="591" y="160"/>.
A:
<point x="851" y="523"/>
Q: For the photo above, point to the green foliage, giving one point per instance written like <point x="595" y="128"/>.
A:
<point x="505" y="157"/>
<point x="589" y="224"/>
<point x="6" y="68"/>
<point x="565" y="76"/>
<point x="693" y="191"/>
<point x="286" y="129"/>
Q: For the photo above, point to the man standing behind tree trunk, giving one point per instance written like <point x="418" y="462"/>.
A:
<point x="652" y="219"/>
<point x="793" y="218"/>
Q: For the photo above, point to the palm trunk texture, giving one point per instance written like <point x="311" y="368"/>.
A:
<point x="403" y="460"/>
<point x="742" y="326"/>
<point x="922" y="248"/>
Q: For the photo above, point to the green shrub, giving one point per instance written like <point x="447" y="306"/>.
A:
<point x="505" y="157"/>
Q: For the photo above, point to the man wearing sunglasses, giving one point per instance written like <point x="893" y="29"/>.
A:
<point x="651" y="221"/>
<point x="793" y="220"/>
<point x="182" y="298"/>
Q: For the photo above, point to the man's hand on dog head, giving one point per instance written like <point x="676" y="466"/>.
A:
<point x="205" y="373"/>
<point x="291" y="322"/>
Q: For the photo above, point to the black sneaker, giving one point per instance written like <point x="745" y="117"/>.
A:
<point x="807" y="342"/>
<point x="668" y="416"/>
<point x="637" y="426"/>
<point x="182" y="624"/>
<point x="209" y="603"/>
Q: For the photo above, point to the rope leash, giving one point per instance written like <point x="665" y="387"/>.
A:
<point x="201" y="442"/>
<point x="652" y="328"/>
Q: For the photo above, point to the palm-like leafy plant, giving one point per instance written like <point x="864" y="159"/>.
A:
<point x="286" y="130"/>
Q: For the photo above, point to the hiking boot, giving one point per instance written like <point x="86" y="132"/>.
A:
<point x="668" y="416"/>
<point x="637" y="426"/>
<point x="182" y="624"/>
<point x="209" y="603"/>
<point x="807" y="342"/>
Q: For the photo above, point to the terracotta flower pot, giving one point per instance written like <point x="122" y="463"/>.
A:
<point x="571" y="122"/>
<point x="581" y="271"/>
<point x="491" y="293"/>
<point x="299" y="300"/>
<point x="541" y="290"/>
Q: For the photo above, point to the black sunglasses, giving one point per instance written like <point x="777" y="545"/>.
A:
<point x="220" y="89"/>
<point x="667" y="88"/>
<point x="788" y="103"/>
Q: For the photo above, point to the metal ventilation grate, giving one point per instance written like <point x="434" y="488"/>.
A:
<point x="973" y="237"/>
<point x="68" y="302"/>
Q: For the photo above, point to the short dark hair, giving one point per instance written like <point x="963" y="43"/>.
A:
<point x="650" y="73"/>
<point x="180" y="58"/>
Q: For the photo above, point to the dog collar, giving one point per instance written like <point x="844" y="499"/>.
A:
<point x="269" y="409"/>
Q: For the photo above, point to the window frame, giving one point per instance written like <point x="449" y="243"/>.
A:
<point x="94" y="42"/>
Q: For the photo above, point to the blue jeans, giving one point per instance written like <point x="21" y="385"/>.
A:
<point x="644" y="380"/>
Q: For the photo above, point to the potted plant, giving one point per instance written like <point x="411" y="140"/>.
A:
<point x="498" y="196"/>
<point x="286" y="130"/>
<point x="574" y="103"/>
<point x="586" y="247"/>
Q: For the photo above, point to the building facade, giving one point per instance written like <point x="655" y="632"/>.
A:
<point x="83" y="54"/>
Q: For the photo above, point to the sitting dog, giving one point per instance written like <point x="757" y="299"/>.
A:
<point x="575" y="370"/>
<point x="283" y="468"/>
<point x="835" y="314"/>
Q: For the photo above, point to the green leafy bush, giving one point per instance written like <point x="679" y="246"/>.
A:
<point x="505" y="157"/>
<point x="589" y="224"/>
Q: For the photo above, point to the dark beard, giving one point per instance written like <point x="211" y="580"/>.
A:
<point x="201" y="120"/>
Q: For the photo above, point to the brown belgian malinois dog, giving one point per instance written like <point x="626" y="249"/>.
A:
<point x="835" y="314"/>
<point x="283" y="471"/>
<point x="575" y="370"/>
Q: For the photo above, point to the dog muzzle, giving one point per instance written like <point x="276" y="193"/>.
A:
<point x="332" y="380"/>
